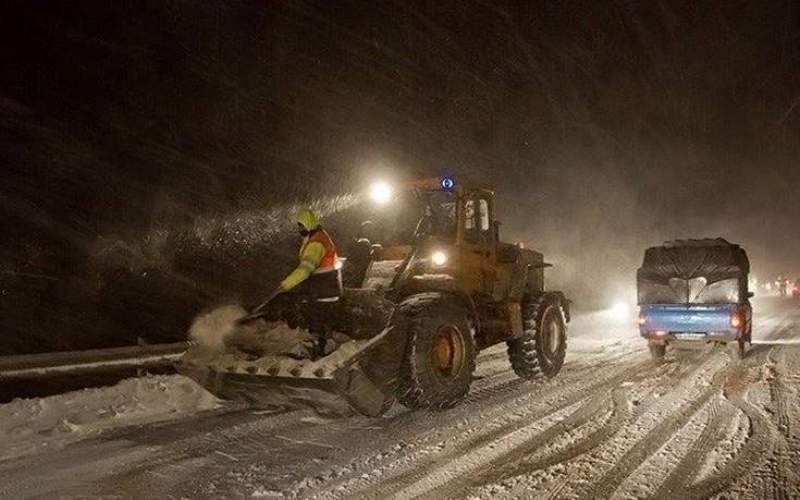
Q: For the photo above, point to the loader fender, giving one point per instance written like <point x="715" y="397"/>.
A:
<point x="562" y="300"/>
<point x="410" y="304"/>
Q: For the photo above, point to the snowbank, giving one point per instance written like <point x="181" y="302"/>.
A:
<point x="33" y="425"/>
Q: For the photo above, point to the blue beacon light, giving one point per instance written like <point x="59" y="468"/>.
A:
<point x="448" y="183"/>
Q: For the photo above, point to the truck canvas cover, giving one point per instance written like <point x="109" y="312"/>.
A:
<point x="708" y="271"/>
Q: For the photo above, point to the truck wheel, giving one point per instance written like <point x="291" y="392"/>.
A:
<point x="737" y="349"/>
<point x="440" y="352"/>
<point x="657" y="352"/>
<point x="541" y="349"/>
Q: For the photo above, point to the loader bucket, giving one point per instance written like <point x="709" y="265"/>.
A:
<point x="334" y="384"/>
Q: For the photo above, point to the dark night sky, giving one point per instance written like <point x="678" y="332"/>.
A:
<point x="151" y="149"/>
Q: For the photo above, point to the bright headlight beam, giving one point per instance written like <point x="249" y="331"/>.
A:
<point x="381" y="192"/>
<point x="439" y="258"/>
<point x="621" y="310"/>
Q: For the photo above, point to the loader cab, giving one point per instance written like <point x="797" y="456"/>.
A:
<point x="455" y="225"/>
<point x="477" y="240"/>
<point x="478" y="217"/>
<point x="440" y="218"/>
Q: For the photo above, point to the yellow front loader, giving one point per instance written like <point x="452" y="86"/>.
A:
<point x="437" y="286"/>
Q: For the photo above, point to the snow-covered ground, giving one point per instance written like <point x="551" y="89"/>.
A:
<point x="611" y="425"/>
<point x="43" y="424"/>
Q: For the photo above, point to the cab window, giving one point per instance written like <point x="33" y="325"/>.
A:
<point x="483" y="215"/>
<point x="477" y="222"/>
<point x="469" y="216"/>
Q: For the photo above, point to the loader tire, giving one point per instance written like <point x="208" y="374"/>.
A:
<point x="440" y="352"/>
<point x="540" y="351"/>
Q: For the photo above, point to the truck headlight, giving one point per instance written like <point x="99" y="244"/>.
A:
<point x="439" y="258"/>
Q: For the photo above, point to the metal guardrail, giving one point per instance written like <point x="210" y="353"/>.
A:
<point x="31" y="366"/>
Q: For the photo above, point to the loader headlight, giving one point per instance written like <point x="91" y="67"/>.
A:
<point x="439" y="258"/>
<point x="381" y="192"/>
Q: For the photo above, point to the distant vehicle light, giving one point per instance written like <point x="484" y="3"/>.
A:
<point x="660" y="333"/>
<point x="448" y="183"/>
<point x="381" y="192"/>
<point x="736" y="320"/>
<point x="642" y="320"/>
<point x="439" y="258"/>
<point x="621" y="310"/>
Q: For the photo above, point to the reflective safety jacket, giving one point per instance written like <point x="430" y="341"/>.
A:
<point x="317" y="256"/>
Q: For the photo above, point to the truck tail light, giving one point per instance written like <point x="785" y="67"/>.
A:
<point x="737" y="318"/>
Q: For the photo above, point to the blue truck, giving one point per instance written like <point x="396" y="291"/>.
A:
<point x="695" y="291"/>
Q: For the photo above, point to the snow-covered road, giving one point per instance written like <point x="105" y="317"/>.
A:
<point x="612" y="424"/>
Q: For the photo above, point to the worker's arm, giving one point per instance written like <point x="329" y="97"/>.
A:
<point x="309" y="262"/>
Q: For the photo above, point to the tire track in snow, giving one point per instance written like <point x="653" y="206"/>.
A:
<point x="398" y="484"/>
<point x="165" y="444"/>
<point x="513" y="464"/>
<point x="673" y="424"/>
<point x="621" y="415"/>
<point x="437" y="483"/>
<point x="778" y="392"/>
<point x="762" y="432"/>
<point x="648" y="444"/>
<point x="757" y="445"/>
<point x="720" y="417"/>
<point x="791" y="380"/>
<point x="781" y="469"/>
<point x="480" y="406"/>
